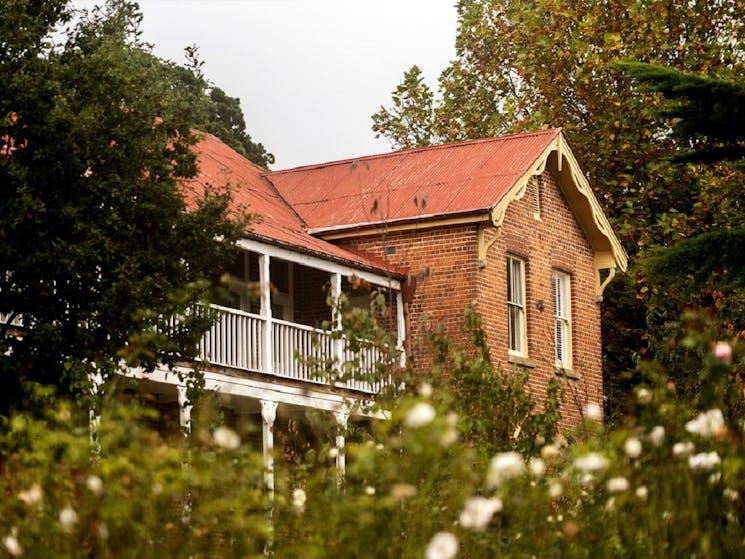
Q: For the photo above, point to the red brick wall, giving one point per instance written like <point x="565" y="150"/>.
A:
<point x="553" y="242"/>
<point x="446" y="261"/>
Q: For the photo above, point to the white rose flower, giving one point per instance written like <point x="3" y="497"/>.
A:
<point x="657" y="435"/>
<point x="443" y="545"/>
<point x="425" y="390"/>
<point x="591" y="462"/>
<point x="723" y="352"/>
<point x="11" y="545"/>
<point x="555" y="489"/>
<point x="731" y="494"/>
<point x="419" y="415"/>
<point x="641" y="493"/>
<point x="370" y="490"/>
<point x="617" y="485"/>
<point x="707" y="424"/>
<point x="504" y="466"/>
<point x="704" y="461"/>
<point x="549" y="452"/>
<point x="643" y="395"/>
<point x="633" y="447"/>
<point x="94" y="484"/>
<point x="683" y="449"/>
<point x="68" y="518"/>
<point x="333" y="452"/>
<point x="478" y="512"/>
<point x="32" y="496"/>
<point x="225" y="437"/>
<point x="536" y="466"/>
<point x="449" y="437"/>
<point x="593" y="412"/>
<point x="298" y="499"/>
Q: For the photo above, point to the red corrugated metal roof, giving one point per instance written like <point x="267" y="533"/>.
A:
<point x="454" y="178"/>
<point x="220" y="165"/>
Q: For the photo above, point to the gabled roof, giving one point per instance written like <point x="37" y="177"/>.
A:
<point x="477" y="178"/>
<point x="445" y="180"/>
<point x="221" y="166"/>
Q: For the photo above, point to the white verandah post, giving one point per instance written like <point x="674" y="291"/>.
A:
<point x="267" y="349"/>
<point x="400" y="328"/>
<point x="268" y="415"/>
<point x="338" y="347"/>
<point x="184" y="410"/>
<point x="342" y="417"/>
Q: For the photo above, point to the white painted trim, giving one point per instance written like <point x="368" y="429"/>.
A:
<point x="184" y="409"/>
<point x="267" y="350"/>
<point x="342" y="419"/>
<point x="258" y="390"/>
<point x="268" y="415"/>
<point x="318" y="263"/>
<point x="400" y="328"/>
<point x="336" y="324"/>
<point x="467" y="216"/>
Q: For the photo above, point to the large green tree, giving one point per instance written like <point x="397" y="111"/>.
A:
<point x="215" y="111"/>
<point x="523" y="65"/>
<point x="705" y="272"/>
<point x="97" y="251"/>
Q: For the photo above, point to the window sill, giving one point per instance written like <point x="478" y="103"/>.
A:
<point x="568" y="373"/>
<point x="520" y="360"/>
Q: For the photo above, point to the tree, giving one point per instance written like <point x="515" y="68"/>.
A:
<point x="528" y="65"/>
<point x="708" y="113"/>
<point x="98" y="252"/>
<point x="215" y="111"/>
<point x="705" y="272"/>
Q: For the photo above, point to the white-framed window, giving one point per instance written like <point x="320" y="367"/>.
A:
<point x="561" y="286"/>
<point x="516" y="323"/>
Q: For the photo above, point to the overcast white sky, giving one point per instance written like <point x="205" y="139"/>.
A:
<point x="309" y="73"/>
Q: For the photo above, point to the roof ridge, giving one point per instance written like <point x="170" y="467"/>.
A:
<point x="269" y="173"/>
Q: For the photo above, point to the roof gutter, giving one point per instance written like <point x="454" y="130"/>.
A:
<point x="400" y="224"/>
<point x="331" y="258"/>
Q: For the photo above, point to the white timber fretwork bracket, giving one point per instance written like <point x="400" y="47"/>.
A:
<point x="485" y="244"/>
<point x="497" y="213"/>
<point x="603" y="262"/>
<point x="610" y="255"/>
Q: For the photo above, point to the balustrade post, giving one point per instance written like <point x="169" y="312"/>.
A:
<point x="400" y="328"/>
<point x="184" y="410"/>
<point x="268" y="415"/>
<point x="338" y="347"/>
<point x="267" y="345"/>
<point x="342" y="417"/>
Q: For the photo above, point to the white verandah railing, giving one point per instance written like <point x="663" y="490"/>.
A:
<point x="236" y="339"/>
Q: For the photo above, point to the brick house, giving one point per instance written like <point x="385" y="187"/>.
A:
<point x="507" y="224"/>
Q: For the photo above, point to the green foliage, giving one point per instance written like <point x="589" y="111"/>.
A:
<point x="215" y="111"/>
<point x="667" y="482"/>
<point x="409" y="123"/>
<point x="139" y="496"/>
<point x="528" y="65"/>
<point x="499" y="413"/>
<point x="226" y="121"/>
<point x="708" y="111"/>
<point x="95" y="141"/>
